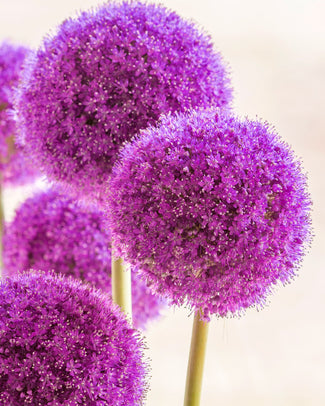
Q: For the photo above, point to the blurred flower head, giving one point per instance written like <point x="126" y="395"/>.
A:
<point x="15" y="167"/>
<point x="214" y="210"/>
<point x="62" y="343"/>
<point x="104" y="76"/>
<point x="52" y="232"/>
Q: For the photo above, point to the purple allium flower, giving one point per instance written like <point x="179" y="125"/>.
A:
<point x="62" y="343"/>
<point x="104" y="76"/>
<point x="14" y="166"/>
<point x="19" y="169"/>
<point x="52" y="232"/>
<point x="213" y="210"/>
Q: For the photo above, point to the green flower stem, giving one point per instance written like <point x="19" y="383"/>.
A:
<point x="121" y="286"/>
<point x="196" y="362"/>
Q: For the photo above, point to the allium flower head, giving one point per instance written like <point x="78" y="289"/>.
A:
<point x="11" y="60"/>
<point x="52" y="232"/>
<point x="14" y="166"/>
<point x="213" y="210"/>
<point x="107" y="74"/>
<point x="63" y="344"/>
<point x="19" y="169"/>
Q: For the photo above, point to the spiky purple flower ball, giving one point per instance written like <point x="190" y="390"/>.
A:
<point x="213" y="210"/>
<point x="52" y="232"/>
<point x="104" y="76"/>
<point x="62" y="343"/>
<point x="14" y="166"/>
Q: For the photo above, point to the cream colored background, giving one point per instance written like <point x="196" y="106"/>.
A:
<point x="276" y="50"/>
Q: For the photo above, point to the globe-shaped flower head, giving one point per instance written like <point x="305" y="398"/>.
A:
<point x="214" y="210"/>
<point x="62" y="343"/>
<point x="15" y="167"/>
<point x="104" y="76"/>
<point x="50" y="231"/>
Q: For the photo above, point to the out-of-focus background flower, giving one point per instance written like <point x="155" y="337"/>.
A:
<point x="276" y="51"/>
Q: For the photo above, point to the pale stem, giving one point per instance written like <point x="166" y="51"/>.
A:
<point x="11" y="149"/>
<point x="121" y="286"/>
<point x="196" y="362"/>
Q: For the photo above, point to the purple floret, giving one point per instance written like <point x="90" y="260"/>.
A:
<point x="15" y="167"/>
<point x="52" y="232"/>
<point x="212" y="209"/>
<point x="104" y="76"/>
<point x="64" y="344"/>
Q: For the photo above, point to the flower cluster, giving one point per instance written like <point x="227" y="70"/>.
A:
<point x="52" y="232"/>
<point x="14" y="166"/>
<point x="64" y="344"/>
<point x="19" y="169"/>
<point x="213" y="210"/>
<point x="104" y="76"/>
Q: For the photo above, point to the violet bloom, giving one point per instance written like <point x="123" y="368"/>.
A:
<point x="104" y="76"/>
<point x="213" y="210"/>
<point x="62" y="343"/>
<point x="52" y="232"/>
<point x="15" y="167"/>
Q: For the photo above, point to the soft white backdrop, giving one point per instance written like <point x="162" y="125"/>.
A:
<point x="276" y="50"/>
